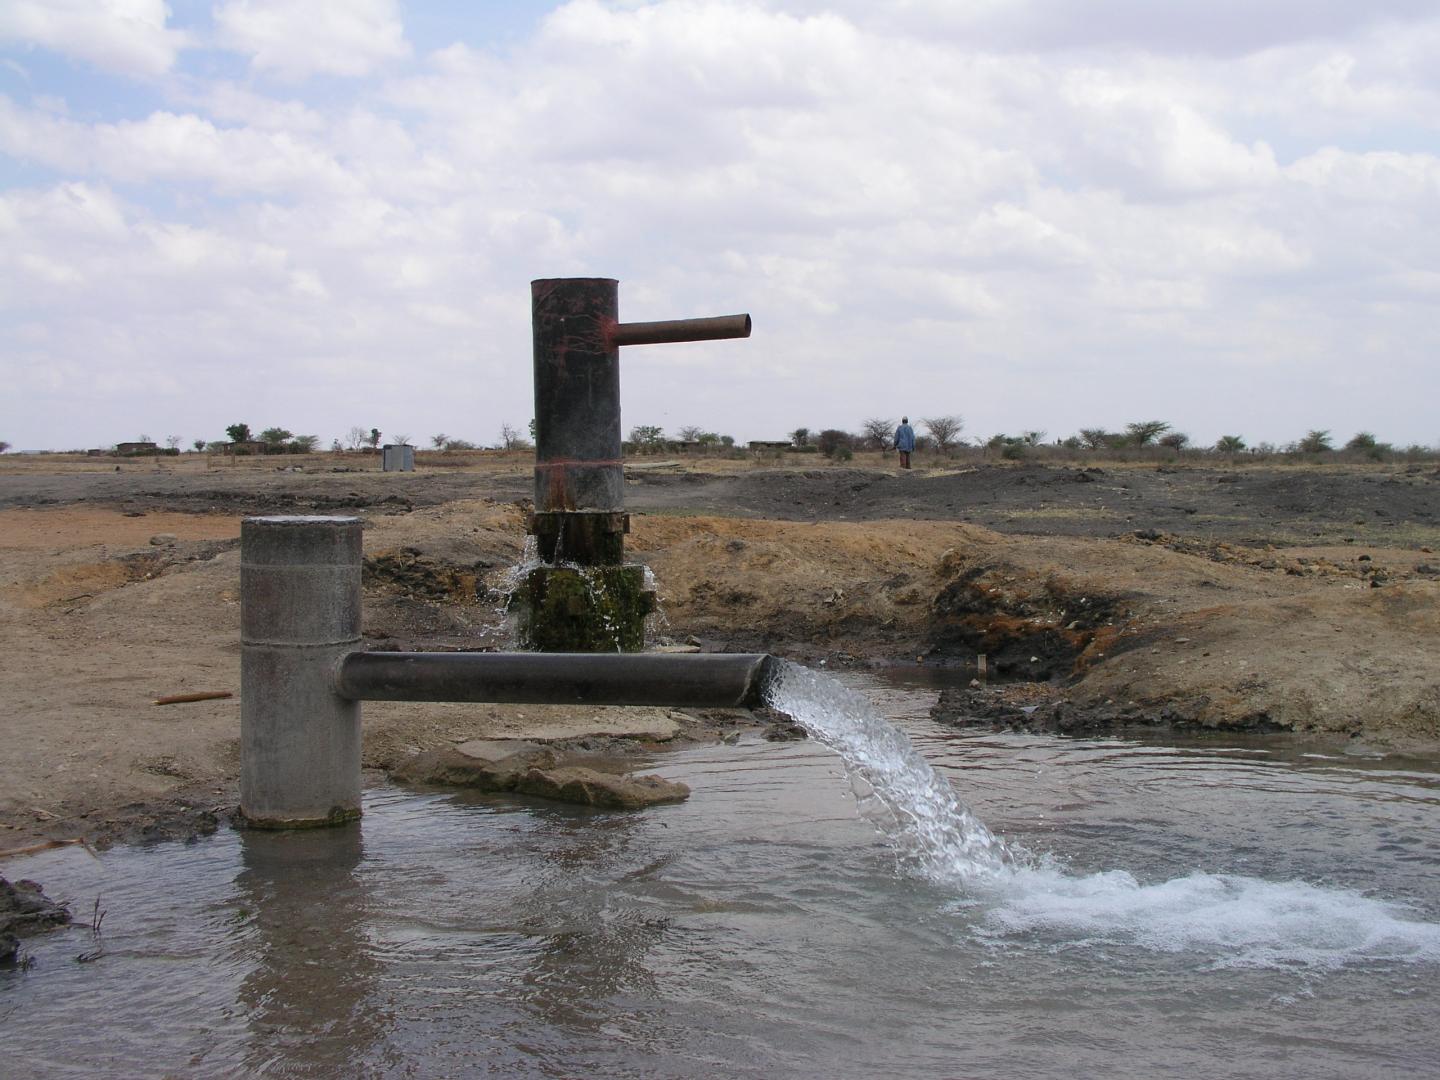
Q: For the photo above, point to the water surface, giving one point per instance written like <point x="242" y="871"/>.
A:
<point x="1215" y="909"/>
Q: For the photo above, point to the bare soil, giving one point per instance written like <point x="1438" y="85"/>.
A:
<point x="1295" y="599"/>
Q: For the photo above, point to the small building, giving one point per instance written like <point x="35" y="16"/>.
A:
<point x="398" y="457"/>
<point x="135" y="449"/>
<point x="240" y="449"/>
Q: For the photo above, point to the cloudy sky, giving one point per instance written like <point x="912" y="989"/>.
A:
<point x="1037" y="214"/>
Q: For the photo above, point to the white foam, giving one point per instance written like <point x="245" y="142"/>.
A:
<point x="1238" y="921"/>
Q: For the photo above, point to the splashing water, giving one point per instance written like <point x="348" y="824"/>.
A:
<point x="933" y="832"/>
<point x="1028" y="899"/>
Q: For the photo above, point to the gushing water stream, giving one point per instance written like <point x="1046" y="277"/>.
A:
<point x="1237" y="920"/>
<point x="931" y="831"/>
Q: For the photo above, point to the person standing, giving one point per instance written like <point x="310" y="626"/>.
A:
<point x="905" y="441"/>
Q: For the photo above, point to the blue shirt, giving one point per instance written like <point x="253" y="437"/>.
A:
<point x="905" y="438"/>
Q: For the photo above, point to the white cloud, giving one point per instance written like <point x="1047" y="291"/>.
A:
<point x="171" y="147"/>
<point x="126" y="36"/>
<point x="1043" y="236"/>
<point x="328" y="37"/>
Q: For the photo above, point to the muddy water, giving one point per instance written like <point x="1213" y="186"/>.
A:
<point x="1213" y="909"/>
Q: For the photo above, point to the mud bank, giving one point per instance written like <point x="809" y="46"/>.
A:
<point x="118" y="590"/>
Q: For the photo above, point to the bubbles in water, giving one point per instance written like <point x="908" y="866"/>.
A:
<point x="1247" y="921"/>
<point x="1012" y="896"/>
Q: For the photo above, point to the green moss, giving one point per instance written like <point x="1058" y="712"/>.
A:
<point x="590" y="609"/>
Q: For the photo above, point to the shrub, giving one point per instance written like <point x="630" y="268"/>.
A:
<point x="831" y="441"/>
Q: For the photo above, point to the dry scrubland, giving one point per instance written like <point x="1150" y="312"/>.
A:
<point x="1299" y="598"/>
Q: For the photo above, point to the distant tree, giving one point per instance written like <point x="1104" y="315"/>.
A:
<point x="1033" y="438"/>
<point x="1175" y="440"/>
<point x="943" y="429"/>
<point x="459" y="444"/>
<point x="145" y="438"/>
<point x="647" y="437"/>
<point x="727" y="440"/>
<point x="1144" y="432"/>
<point x="878" y="432"/>
<point x="4" y="446"/>
<point x="198" y="444"/>
<point x="402" y="440"/>
<point x="1011" y="447"/>
<point x="336" y="446"/>
<point x="238" y="432"/>
<point x="690" y="433"/>
<point x="800" y="437"/>
<point x="355" y="438"/>
<point x="373" y="439"/>
<point x="439" y="441"/>
<point x="172" y="441"/>
<point x="1095" y="438"/>
<point x="304" y="444"/>
<point x="1366" y="443"/>
<point x="1230" y="444"/>
<point x="274" y="437"/>
<point x="1315" y="442"/>
<point x="511" y="439"/>
<point x="831" y="441"/>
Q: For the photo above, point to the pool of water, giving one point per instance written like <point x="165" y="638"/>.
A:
<point x="1216" y="909"/>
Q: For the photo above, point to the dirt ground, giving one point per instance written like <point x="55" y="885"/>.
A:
<point x="1295" y="598"/>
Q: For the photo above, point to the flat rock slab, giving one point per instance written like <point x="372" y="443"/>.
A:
<point x="576" y="784"/>
<point x="529" y="768"/>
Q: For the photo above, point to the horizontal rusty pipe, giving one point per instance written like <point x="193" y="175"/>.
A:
<point x="676" y="680"/>
<point x="656" y="333"/>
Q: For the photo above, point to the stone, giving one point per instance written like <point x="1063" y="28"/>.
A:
<point x="161" y="539"/>
<point x="25" y="908"/>
<point x="576" y="784"/>
<point x="487" y="764"/>
<point x="528" y="768"/>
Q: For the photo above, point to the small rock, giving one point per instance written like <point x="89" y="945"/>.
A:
<point x="161" y="539"/>
<point x="25" y="908"/>
<point x="784" y="732"/>
<point x="1182" y="641"/>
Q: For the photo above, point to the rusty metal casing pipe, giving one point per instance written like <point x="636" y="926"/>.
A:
<point x="702" y="680"/>
<point x="667" y="330"/>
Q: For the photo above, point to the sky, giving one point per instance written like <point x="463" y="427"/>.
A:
<point x="1038" y="215"/>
